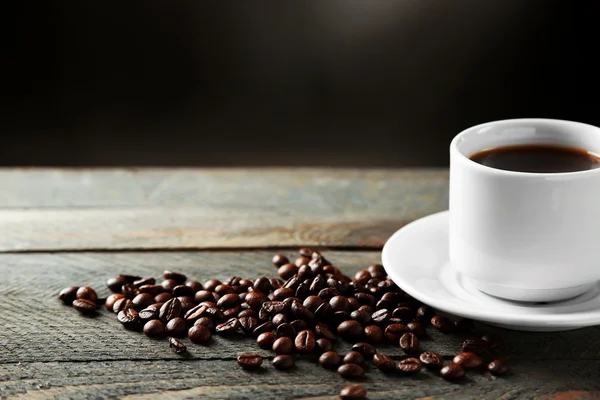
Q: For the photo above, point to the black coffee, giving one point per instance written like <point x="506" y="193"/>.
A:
<point x="538" y="158"/>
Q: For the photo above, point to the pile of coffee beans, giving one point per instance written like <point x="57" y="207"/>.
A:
<point x="303" y="312"/>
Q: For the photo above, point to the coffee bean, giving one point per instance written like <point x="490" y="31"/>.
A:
<point x="377" y="271"/>
<point x="203" y="295"/>
<point x="129" y="318"/>
<point x="177" y="327"/>
<point x="317" y="284"/>
<point x="144" y="281"/>
<point x="183" y="290"/>
<point x="171" y="309"/>
<point x="265" y="340"/>
<point x="228" y="327"/>
<point x="195" y="285"/>
<point x="150" y="312"/>
<point x="431" y="359"/>
<point x="305" y="341"/>
<point x="255" y="300"/>
<point x="265" y="327"/>
<point x="365" y="299"/>
<point x="373" y="334"/>
<point x="300" y="261"/>
<point x="248" y="313"/>
<point x="150" y="289"/>
<point x="366" y="349"/>
<point x="468" y="360"/>
<point x="361" y="316"/>
<point x="322" y="331"/>
<point x="142" y="301"/>
<point x="475" y="345"/>
<point x="228" y="300"/>
<point x="248" y="324"/>
<point x="424" y="314"/>
<point x="285" y="329"/>
<point x="169" y="285"/>
<point x="417" y="328"/>
<point x="274" y="307"/>
<point x="195" y="313"/>
<point x="176" y="276"/>
<point x="154" y="328"/>
<point x="279" y="319"/>
<point x="232" y="312"/>
<point x="279" y="260"/>
<point x="409" y="342"/>
<point x="115" y="284"/>
<point x="211" y="284"/>
<point x="122" y="304"/>
<point x="409" y="366"/>
<point x="163" y="297"/>
<point x="394" y="332"/>
<point x="177" y="346"/>
<point x="67" y="295"/>
<point x="328" y="293"/>
<point x="442" y="324"/>
<point x="301" y="312"/>
<point x="299" y="325"/>
<point x="339" y="303"/>
<point x="353" y="303"/>
<point x="330" y="360"/>
<point x="199" y="334"/>
<point x="323" y="312"/>
<point x="205" y="322"/>
<point x="452" y="372"/>
<point x="283" y="345"/>
<point x="130" y="278"/>
<point x="494" y="341"/>
<point x="362" y="277"/>
<point x="312" y="302"/>
<point x="86" y="293"/>
<point x="351" y="371"/>
<point x="250" y="360"/>
<point x="110" y="300"/>
<point x="354" y="357"/>
<point x="353" y="393"/>
<point x="286" y="271"/>
<point x="498" y="367"/>
<point x="381" y="317"/>
<point x="406" y="314"/>
<point x="84" y="306"/>
<point x="384" y="363"/>
<point x="323" y="345"/>
<point x="385" y="305"/>
<point x="283" y="362"/>
<point x="224" y="289"/>
<point x="350" y="330"/>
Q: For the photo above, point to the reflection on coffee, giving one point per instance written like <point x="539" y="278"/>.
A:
<point x="538" y="158"/>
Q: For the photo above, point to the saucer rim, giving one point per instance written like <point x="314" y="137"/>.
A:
<point x="578" y="319"/>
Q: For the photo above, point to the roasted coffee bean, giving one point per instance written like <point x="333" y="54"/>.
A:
<point x="338" y="317"/>
<point x="151" y="289"/>
<point x="177" y="327"/>
<point x="163" y="297"/>
<point x="475" y="345"/>
<point x="424" y="314"/>
<point x="330" y="360"/>
<point x="255" y="300"/>
<point x="122" y="304"/>
<point x="283" y="345"/>
<point x="199" y="334"/>
<point x="176" y="276"/>
<point x="464" y="325"/>
<point x="86" y="293"/>
<point x="322" y="331"/>
<point x="365" y="299"/>
<point x="406" y="314"/>
<point x="211" y="284"/>
<point x="301" y="312"/>
<point x="384" y="363"/>
<point x="339" y="303"/>
<point x="142" y="301"/>
<point x="306" y="252"/>
<point x="361" y="316"/>
<point x="84" y="306"/>
<point x="154" y="328"/>
<point x="279" y="260"/>
<point x="115" y="284"/>
<point x="228" y="327"/>
<point x="130" y="278"/>
<point x="323" y="312"/>
<point x="224" y="289"/>
<point x="312" y="302"/>
<point x="203" y="295"/>
<point x="206" y="322"/>
<point x="283" y="362"/>
<point x="289" y="300"/>
<point x="305" y="272"/>
<point x="394" y="332"/>
<point x="350" y="330"/>
<point x="169" y="285"/>
<point x="385" y="304"/>
<point x="250" y="360"/>
<point x="195" y="313"/>
<point x="354" y="392"/>
<point x="299" y="325"/>
<point x="305" y="341"/>
<point x="442" y="324"/>
<point x="195" y="285"/>
<point x="362" y="277"/>
<point x="328" y="293"/>
<point x="110" y="300"/>
<point x="300" y="261"/>
<point x="468" y="360"/>
<point x="129" y="318"/>
<point x="183" y="290"/>
<point x="232" y="312"/>
<point x="409" y="366"/>
<point x="377" y="271"/>
<point x="67" y="295"/>
<point x="381" y="316"/>
<point x="498" y="367"/>
<point x="317" y="284"/>
<point x="366" y="349"/>
<point x="177" y="346"/>
<point x="417" y="328"/>
<point x="354" y="357"/>
<point x="276" y="283"/>
<point x="452" y="372"/>
<point x="409" y="342"/>
<point x="262" y="328"/>
<point x="171" y="309"/>
<point x="279" y="319"/>
<point x="274" y="307"/>
<point x="323" y="345"/>
<point x="494" y="341"/>
<point x="248" y="324"/>
<point x="373" y="334"/>
<point x="353" y="303"/>
<point x="247" y="313"/>
<point x="150" y="312"/>
<point x="265" y="340"/>
<point x="286" y="271"/>
<point x="285" y="329"/>
<point x="367" y="309"/>
<point x="351" y="371"/>
<point x="431" y="359"/>
<point x="144" y="281"/>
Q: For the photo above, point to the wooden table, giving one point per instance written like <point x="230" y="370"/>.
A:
<point x="76" y="227"/>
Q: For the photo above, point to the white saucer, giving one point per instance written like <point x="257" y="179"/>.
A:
<point x="416" y="258"/>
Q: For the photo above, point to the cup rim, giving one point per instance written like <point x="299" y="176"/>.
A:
<point x="484" y="168"/>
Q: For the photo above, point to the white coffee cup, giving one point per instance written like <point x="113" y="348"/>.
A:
<point x="525" y="236"/>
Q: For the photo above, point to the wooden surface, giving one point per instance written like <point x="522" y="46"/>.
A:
<point x="48" y="228"/>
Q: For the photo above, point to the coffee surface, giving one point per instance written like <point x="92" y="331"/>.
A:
<point x="538" y="158"/>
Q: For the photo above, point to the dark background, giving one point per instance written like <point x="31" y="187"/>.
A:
<point x="311" y="83"/>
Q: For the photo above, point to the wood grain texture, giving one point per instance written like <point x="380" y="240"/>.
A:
<point x="47" y="350"/>
<point x="199" y="209"/>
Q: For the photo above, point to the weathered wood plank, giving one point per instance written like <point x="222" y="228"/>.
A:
<point x="199" y="209"/>
<point x="218" y="379"/>
<point x="36" y="327"/>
